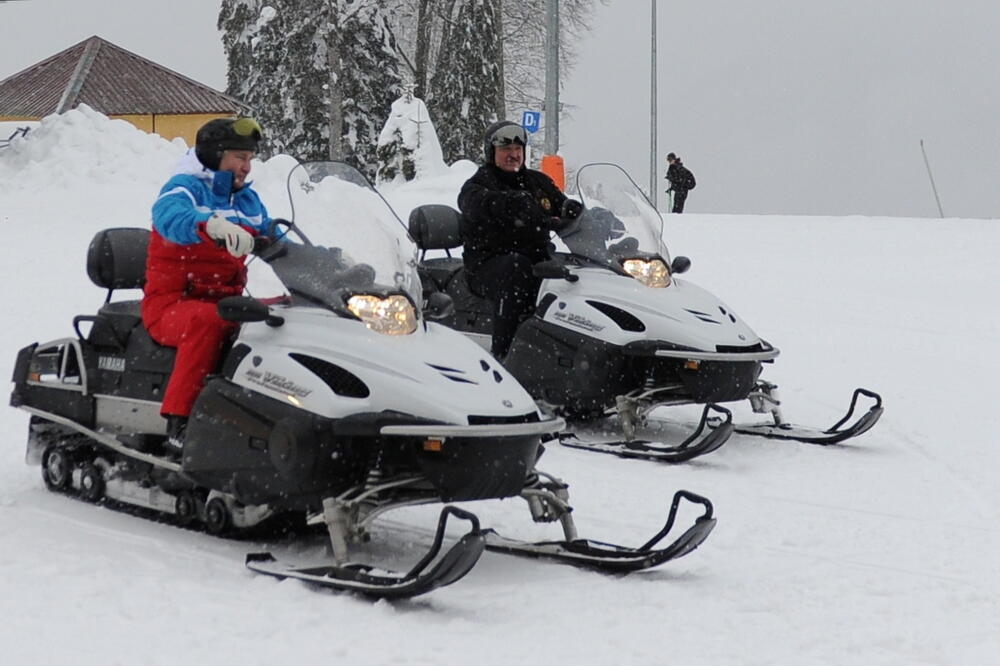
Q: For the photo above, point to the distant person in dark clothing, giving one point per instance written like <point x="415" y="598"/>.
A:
<point x="510" y="211"/>
<point x="681" y="180"/>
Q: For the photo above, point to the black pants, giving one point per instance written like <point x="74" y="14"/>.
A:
<point x="679" y="197"/>
<point x="507" y="281"/>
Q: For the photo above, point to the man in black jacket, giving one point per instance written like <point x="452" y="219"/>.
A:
<point x="681" y="180"/>
<point x="510" y="211"/>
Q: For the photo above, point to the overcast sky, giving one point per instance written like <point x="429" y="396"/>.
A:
<point x="778" y="106"/>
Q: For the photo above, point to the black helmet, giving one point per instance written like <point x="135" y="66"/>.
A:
<point x="222" y="134"/>
<point x="497" y="135"/>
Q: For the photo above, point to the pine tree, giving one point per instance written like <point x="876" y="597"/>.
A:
<point x="467" y="89"/>
<point x="309" y="66"/>
<point x="370" y="77"/>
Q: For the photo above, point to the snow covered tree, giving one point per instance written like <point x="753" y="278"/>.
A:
<point x="423" y="27"/>
<point x="320" y="74"/>
<point x="408" y="146"/>
<point x="524" y="46"/>
<point x="467" y="89"/>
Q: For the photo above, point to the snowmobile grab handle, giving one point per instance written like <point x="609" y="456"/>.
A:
<point x="678" y="496"/>
<point x="435" y="548"/>
<point x="854" y="403"/>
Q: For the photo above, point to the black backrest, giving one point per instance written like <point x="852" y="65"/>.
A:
<point x="116" y="258"/>
<point x="436" y="227"/>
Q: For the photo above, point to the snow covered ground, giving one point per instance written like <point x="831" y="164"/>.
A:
<point x="881" y="551"/>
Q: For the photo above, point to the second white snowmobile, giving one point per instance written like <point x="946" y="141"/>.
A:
<point x="616" y="332"/>
<point x="335" y="405"/>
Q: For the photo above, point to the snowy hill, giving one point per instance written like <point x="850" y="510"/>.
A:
<point x="881" y="551"/>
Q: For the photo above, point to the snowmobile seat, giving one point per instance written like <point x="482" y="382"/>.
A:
<point x="116" y="259"/>
<point x="437" y="227"/>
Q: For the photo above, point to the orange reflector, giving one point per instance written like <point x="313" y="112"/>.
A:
<point x="433" y="444"/>
<point x="34" y="377"/>
<point x="691" y="365"/>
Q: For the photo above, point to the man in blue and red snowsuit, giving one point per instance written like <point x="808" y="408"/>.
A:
<point x="204" y="223"/>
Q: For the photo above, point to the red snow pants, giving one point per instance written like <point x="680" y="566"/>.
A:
<point x="199" y="334"/>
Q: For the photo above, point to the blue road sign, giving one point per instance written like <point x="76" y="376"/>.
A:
<point x="530" y="120"/>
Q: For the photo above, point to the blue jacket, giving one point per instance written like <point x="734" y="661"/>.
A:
<point x="195" y="193"/>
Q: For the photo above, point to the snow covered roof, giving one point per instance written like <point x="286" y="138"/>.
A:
<point x="110" y="80"/>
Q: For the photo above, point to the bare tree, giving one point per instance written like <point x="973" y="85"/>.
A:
<point x="421" y="26"/>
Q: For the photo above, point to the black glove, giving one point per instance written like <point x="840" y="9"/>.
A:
<point x="572" y="209"/>
<point x="557" y="224"/>
<point x="522" y="207"/>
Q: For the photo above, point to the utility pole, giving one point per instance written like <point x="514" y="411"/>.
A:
<point x="552" y="77"/>
<point x="653" y="173"/>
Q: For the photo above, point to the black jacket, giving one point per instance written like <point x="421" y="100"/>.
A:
<point x="492" y="228"/>
<point x="680" y="177"/>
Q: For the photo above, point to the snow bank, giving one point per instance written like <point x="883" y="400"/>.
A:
<point x="83" y="145"/>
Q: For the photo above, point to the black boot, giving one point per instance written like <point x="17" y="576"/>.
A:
<point x="176" y="430"/>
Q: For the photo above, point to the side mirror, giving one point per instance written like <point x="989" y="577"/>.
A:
<point x="553" y="270"/>
<point x="679" y="265"/>
<point x="244" y="309"/>
<point x="439" y="305"/>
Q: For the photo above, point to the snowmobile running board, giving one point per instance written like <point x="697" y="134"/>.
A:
<point x="107" y="440"/>
<point x="382" y="584"/>
<point x="610" y="558"/>
<point x="720" y="429"/>
<point x="832" y="435"/>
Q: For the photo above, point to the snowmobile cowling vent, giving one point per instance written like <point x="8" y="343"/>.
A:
<point x="436" y="227"/>
<point x="116" y="258"/>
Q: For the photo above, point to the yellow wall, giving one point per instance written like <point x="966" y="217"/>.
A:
<point x="143" y="122"/>
<point x="170" y="127"/>
<point x="4" y="119"/>
<point x="185" y="126"/>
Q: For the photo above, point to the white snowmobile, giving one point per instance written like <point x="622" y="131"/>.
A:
<point x="338" y="404"/>
<point x="617" y="333"/>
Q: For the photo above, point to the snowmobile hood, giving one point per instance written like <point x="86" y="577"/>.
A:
<point x="620" y="310"/>
<point x="336" y="367"/>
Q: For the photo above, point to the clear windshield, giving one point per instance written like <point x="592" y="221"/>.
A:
<point x="345" y="236"/>
<point x="619" y="222"/>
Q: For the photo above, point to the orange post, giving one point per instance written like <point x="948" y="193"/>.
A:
<point x="554" y="168"/>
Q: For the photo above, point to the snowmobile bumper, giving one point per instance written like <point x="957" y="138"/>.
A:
<point x="761" y="352"/>
<point x="477" y="461"/>
<point x="768" y="354"/>
<point x="546" y="427"/>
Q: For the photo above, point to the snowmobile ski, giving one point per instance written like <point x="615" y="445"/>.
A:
<point x="611" y="558"/>
<point x="697" y="444"/>
<point x="383" y="584"/>
<point x="835" y="434"/>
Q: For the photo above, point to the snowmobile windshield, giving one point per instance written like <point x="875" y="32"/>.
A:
<point x="618" y="222"/>
<point x="345" y="239"/>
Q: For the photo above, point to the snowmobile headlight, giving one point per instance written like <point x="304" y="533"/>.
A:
<point x="650" y="272"/>
<point x="392" y="315"/>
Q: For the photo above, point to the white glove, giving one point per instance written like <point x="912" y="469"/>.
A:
<point x="239" y="241"/>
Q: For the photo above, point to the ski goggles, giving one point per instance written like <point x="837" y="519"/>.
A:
<point x="248" y="127"/>
<point x="509" y="134"/>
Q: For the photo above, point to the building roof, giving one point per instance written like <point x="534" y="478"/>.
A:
<point x="109" y="79"/>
